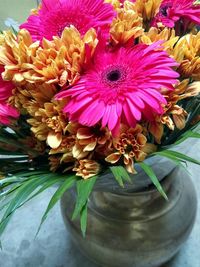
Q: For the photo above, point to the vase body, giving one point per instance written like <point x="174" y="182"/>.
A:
<point x="138" y="229"/>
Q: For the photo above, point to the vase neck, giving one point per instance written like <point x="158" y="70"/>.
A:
<point x="137" y="206"/>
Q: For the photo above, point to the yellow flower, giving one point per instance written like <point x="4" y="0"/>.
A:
<point x="148" y="8"/>
<point x="16" y="54"/>
<point x="187" y="53"/>
<point x="130" y="145"/>
<point x="126" y="25"/>
<point x="60" y="61"/>
<point x="49" y="123"/>
<point x="116" y="3"/>
<point x="87" y="168"/>
<point x="168" y="37"/>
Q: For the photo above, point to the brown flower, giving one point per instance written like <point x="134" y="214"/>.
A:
<point x="127" y="25"/>
<point x="89" y="139"/>
<point x="65" y="149"/>
<point x="130" y="145"/>
<point x="87" y="168"/>
<point x="174" y="115"/>
<point x="49" y="123"/>
<point x="54" y="162"/>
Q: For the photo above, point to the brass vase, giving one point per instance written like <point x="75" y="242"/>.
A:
<point x="135" y="229"/>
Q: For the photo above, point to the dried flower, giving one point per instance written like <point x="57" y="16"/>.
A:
<point x="88" y="140"/>
<point x="87" y="168"/>
<point x="174" y="116"/>
<point x="129" y="146"/>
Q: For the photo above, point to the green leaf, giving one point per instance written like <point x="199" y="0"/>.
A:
<point x="22" y="193"/>
<point x="120" y="175"/>
<point x="177" y="155"/>
<point x="84" y="189"/>
<point x="83" y="215"/>
<point x="67" y="184"/>
<point x="188" y="134"/>
<point x="14" y="31"/>
<point x="149" y="171"/>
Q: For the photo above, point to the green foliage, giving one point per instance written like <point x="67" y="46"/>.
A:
<point x="84" y="189"/>
<point x="66" y="185"/>
<point x="186" y="135"/>
<point x="24" y="186"/>
<point x="120" y="175"/>
<point x="176" y="156"/>
<point x="83" y="215"/>
<point x="149" y="171"/>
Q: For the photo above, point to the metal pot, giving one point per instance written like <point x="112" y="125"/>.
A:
<point x="135" y="229"/>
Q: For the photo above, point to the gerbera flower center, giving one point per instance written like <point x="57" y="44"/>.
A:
<point x="114" y="75"/>
<point x="78" y="23"/>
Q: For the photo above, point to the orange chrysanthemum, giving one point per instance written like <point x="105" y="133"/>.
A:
<point x="86" y="168"/>
<point x="16" y="54"/>
<point x="187" y="53"/>
<point x="129" y="146"/>
<point x="147" y="8"/>
<point x="127" y="25"/>
<point x="175" y="115"/>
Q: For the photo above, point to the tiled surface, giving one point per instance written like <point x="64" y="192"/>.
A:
<point x="53" y="248"/>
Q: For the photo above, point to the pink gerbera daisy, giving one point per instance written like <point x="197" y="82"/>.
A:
<point x="172" y="11"/>
<point x="54" y="16"/>
<point x="121" y="87"/>
<point x="6" y="111"/>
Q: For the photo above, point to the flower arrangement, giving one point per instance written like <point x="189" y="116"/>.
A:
<point x="93" y="86"/>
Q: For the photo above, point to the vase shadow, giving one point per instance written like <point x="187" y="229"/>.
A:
<point x="79" y="259"/>
<point x="171" y="262"/>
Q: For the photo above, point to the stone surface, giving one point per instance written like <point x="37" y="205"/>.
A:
<point x="53" y="248"/>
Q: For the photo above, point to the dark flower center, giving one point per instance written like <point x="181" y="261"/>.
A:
<point x="164" y="9"/>
<point x="114" y="75"/>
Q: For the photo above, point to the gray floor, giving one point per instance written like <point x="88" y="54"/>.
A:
<point x="53" y="248"/>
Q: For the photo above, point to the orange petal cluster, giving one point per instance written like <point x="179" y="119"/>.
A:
<point x="129" y="146"/>
<point x="127" y="25"/>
